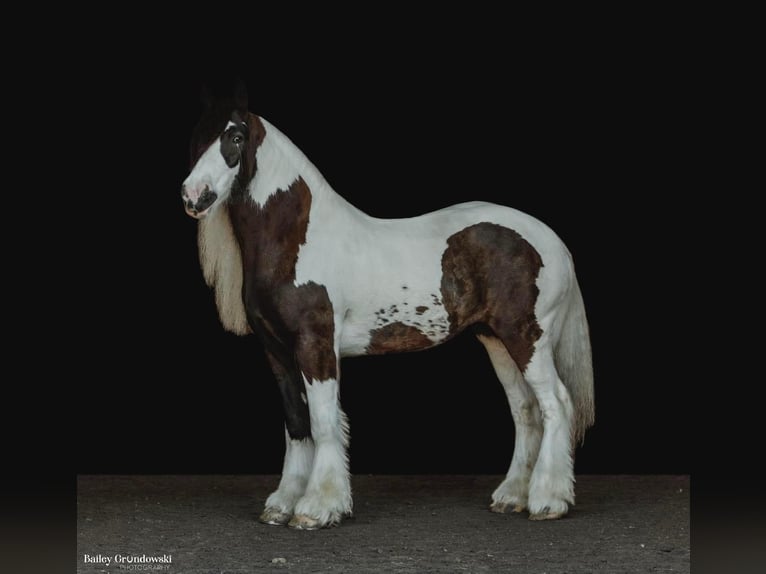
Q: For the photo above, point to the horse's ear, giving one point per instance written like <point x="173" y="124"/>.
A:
<point x="240" y="96"/>
<point x="206" y="97"/>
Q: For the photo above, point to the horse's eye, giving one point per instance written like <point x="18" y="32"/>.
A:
<point x="237" y="139"/>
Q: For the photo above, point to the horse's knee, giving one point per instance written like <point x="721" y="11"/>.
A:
<point x="529" y="414"/>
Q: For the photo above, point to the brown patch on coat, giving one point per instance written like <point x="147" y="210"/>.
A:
<point x="489" y="275"/>
<point x="397" y="337"/>
<point x="420" y="309"/>
<point x="270" y="235"/>
<point x="294" y="322"/>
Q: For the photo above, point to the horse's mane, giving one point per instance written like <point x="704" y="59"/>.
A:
<point x="221" y="262"/>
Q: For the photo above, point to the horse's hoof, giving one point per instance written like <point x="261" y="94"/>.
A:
<point x="505" y="507"/>
<point x="275" y="517"/>
<point x="303" y="522"/>
<point x="546" y="515"/>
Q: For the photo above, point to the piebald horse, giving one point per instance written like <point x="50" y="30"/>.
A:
<point x="316" y="279"/>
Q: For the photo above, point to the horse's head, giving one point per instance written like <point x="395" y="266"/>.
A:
<point x="223" y="148"/>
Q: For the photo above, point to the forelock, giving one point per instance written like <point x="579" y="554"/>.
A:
<point x="210" y="126"/>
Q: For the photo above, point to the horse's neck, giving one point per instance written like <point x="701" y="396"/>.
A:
<point x="272" y="222"/>
<point x="225" y="233"/>
<point x="283" y="167"/>
<point x="279" y="164"/>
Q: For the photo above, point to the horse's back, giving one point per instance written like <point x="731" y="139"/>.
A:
<point x="412" y="245"/>
<point x="526" y="225"/>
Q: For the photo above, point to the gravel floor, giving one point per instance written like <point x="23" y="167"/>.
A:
<point x="207" y="524"/>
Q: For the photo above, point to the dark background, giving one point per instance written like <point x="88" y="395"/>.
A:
<point x="582" y="136"/>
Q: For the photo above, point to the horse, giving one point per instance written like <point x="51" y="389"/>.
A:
<point x="317" y="280"/>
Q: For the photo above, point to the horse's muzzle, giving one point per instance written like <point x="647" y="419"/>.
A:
<point x="198" y="209"/>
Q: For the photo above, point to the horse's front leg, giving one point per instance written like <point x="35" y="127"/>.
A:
<point x="328" y="494"/>
<point x="299" y="446"/>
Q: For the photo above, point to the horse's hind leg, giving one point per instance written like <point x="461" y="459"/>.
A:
<point x="513" y="492"/>
<point x="551" y="487"/>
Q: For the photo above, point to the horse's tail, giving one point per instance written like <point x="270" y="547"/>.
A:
<point x="575" y="365"/>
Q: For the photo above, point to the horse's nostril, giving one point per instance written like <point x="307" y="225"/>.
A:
<point x="197" y="198"/>
<point x="206" y="199"/>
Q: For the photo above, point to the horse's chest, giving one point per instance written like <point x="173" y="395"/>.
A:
<point x="296" y="323"/>
<point x="284" y="310"/>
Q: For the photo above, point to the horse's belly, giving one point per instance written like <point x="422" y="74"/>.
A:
<point x="395" y="328"/>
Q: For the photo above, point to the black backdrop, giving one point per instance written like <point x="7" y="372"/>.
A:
<point x="582" y="139"/>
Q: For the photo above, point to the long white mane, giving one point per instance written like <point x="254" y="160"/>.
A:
<point x="221" y="262"/>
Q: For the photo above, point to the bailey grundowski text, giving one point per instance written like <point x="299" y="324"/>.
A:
<point x="123" y="559"/>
